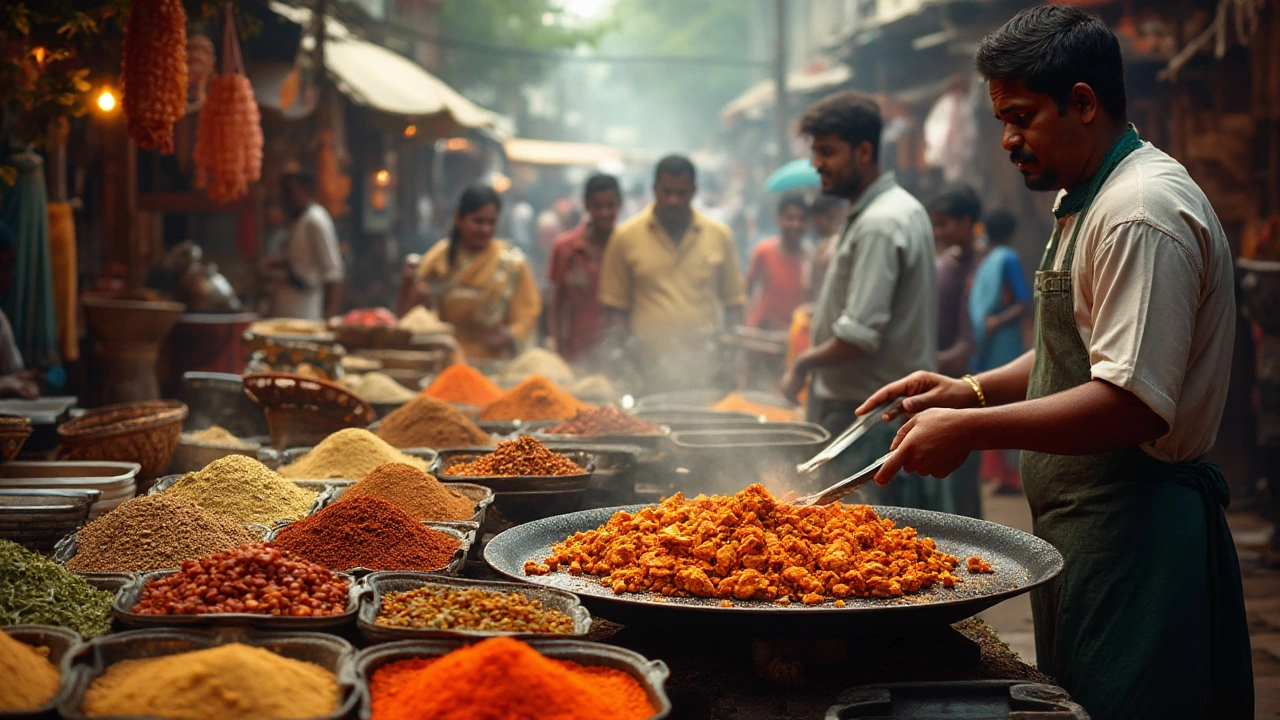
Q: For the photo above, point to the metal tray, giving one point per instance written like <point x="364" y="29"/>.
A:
<point x="481" y="495"/>
<point x="323" y="489"/>
<point x="653" y="446"/>
<point x="516" y="483"/>
<point x="62" y="644"/>
<point x="37" y="519"/>
<point x="129" y="595"/>
<point x="68" y="546"/>
<point x="651" y="674"/>
<point x="1021" y="562"/>
<point x="381" y="582"/>
<point x="961" y="700"/>
<point x="454" y="567"/>
<point x="117" y="481"/>
<point x="683" y="418"/>
<point x="328" y="651"/>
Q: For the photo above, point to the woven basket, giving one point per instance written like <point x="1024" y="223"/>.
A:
<point x="143" y="432"/>
<point x="14" y="431"/>
<point x="303" y="411"/>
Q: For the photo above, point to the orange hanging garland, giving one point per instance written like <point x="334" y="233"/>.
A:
<point x="228" y="154"/>
<point x="154" y="62"/>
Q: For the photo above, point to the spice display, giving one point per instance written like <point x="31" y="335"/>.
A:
<point x="463" y="385"/>
<point x="370" y="317"/>
<point x="522" y="456"/>
<point x="379" y="387"/>
<point x="153" y="64"/>
<point x="595" y="387"/>
<point x="154" y="532"/>
<point x="30" y="680"/>
<point x="428" y="422"/>
<point x="539" y="361"/>
<point x="284" y="327"/>
<point x="215" y="435"/>
<point x="734" y="402"/>
<point x="244" y="490"/>
<point x="228" y="152"/>
<point x="977" y="565"/>
<point x="422" y="321"/>
<point x="749" y="546"/>
<point x="229" y="682"/>
<point x="413" y="491"/>
<point x="37" y="591"/>
<point x="446" y="608"/>
<point x="351" y="454"/>
<point x="504" y="679"/>
<point x="534" y="399"/>
<point x="259" y="578"/>
<point x="366" y="532"/>
<point x="605" y="421"/>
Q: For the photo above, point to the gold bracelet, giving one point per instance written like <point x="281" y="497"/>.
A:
<point x="977" y="388"/>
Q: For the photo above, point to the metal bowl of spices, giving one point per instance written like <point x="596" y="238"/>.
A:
<point x="330" y="652"/>
<point x="443" y="607"/>
<point x="293" y="455"/>
<point x="61" y="643"/>
<point x="501" y="484"/>
<point x="478" y="494"/>
<point x="128" y="596"/>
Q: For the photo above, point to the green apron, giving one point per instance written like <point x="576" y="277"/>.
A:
<point x="1147" y="618"/>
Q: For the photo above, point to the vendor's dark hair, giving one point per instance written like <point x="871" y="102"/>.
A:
<point x="472" y="199"/>
<point x="850" y="115"/>
<point x="793" y="199"/>
<point x="302" y="177"/>
<point x="1051" y="48"/>
<point x="1000" y="226"/>
<point x="601" y="183"/>
<point x="956" y="201"/>
<point x="676" y="166"/>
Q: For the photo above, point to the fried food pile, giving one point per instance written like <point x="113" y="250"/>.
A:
<point x="750" y="546"/>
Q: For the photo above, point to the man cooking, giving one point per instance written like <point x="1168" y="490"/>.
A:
<point x="876" y="317"/>
<point x="1119" y="399"/>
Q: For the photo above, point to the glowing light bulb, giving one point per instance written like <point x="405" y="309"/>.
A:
<point x="382" y="178"/>
<point x="410" y="130"/>
<point x="106" y="101"/>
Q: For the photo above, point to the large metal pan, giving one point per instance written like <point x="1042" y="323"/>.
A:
<point x="1021" y="562"/>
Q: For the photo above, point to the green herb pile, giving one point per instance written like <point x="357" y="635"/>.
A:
<point x="38" y="591"/>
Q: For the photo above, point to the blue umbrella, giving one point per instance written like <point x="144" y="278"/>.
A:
<point x="794" y="175"/>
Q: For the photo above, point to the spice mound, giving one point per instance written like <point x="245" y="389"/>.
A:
<point x="520" y="457"/>
<point x="260" y="579"/>
<point x="233" y="681"/>
<point x="733" y="402"/>
<point x="534" y="399"/>
<point x="421" y="320"/>
<point x="366" y="532"/>
<point x="413" y="491"/>
<point x="463" y="385"/>
<point x="30" y="680"/>
<point x="539" y="361"/>
<point x="446" y="608"/>
<point x="749" y="546"/>
<point x="431" y="423"/>
<point x="504" y="679"/>
<point x="605" y="421"/>
<point x="154" y="532"/>
<point x="216" y="435"/>
<point x="244" y="490"/>
<point x="379" y="387"/>
<point x="38" y="591"/>
<point x="351" y="453"/>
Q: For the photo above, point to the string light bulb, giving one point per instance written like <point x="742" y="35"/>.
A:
<point x="410" y="130"/>
<point x="106" y="100"/>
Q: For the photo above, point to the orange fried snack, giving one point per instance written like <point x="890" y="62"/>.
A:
<point x="978" y="565"/>
<point x="749" y="546"/>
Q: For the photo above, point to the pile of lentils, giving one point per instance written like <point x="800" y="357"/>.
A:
<point x="415" y="492"/>
<point x="37" y="591"/>
<point x="244" y="490"/>
<point x="154" y="532"/>
<point x="447" y="608"/>
<point x="522" y="456"/>
<point x="366" y="532"/>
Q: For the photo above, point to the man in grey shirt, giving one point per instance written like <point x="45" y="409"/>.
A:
<point x="876" y="314"/>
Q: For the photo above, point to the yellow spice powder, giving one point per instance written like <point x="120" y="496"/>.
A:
<point x="30" y="680"/>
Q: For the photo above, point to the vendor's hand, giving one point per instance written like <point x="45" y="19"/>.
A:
<point x="933" y="442"/>
<point x="924" y="390"/>
<point x="792" y="383"/>
<point x="19" y="386"/>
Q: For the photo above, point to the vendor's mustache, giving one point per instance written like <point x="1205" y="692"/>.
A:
<point x="1022" y="155"/>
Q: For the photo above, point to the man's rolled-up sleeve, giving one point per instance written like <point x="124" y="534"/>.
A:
<point x="1146" y="287"/>
<point x="876" y="266"/>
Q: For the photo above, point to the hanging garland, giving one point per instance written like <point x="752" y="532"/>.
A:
<point x="154" y="62"/>
<point x="228" y="153"/>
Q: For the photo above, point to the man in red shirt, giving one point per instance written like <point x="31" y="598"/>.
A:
<point x="775" y="278"/>
<point x="577" y="319"/>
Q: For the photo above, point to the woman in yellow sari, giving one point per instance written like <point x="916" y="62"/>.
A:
<point x="482" y="286"/>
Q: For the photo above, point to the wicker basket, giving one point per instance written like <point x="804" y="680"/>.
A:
<point x="14" y="431"/>
<point x="303" y="411"/>
<point x="142" y="432"/>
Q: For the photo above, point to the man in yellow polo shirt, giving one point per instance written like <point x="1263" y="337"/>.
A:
<point x="670" y="277"/>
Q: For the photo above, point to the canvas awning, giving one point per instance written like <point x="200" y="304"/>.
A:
<point x="549" y="152"/>
<point x="760" y="97"/>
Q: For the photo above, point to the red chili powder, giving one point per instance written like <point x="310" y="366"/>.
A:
<point x="365" y="532"/>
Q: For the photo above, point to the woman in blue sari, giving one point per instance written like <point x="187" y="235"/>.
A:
<point x="997" y="302"/>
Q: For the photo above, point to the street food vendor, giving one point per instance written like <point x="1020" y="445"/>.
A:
<point x="483" y="286"/>
<point x="1119" y="399"/>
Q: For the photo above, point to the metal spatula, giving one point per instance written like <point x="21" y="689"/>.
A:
<point x="851" y="435"/>
<point x="844" y="487"/>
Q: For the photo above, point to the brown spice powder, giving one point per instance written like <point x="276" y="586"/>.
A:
<point x="414" y="492"/>
<point x="431" y="423"/>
